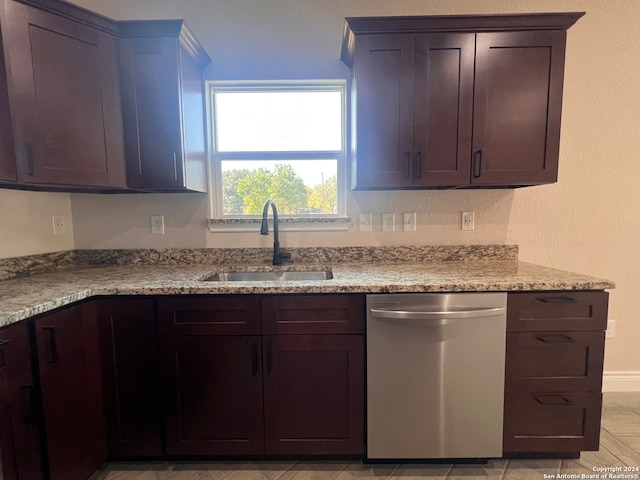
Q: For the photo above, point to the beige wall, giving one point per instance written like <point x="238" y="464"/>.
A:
<point x="587" y="222"/>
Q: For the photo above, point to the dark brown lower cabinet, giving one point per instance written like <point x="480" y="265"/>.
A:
<point x="71" y="391"/>
<point x="553" y="381"/>
<point x="213" y="395"/>
<point x="130" y="372"/>
<point x="19" y="432"/>
<point x="251" y="394"/>
<point x="313" y="394"/>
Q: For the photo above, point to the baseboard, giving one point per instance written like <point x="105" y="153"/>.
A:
<point x="621" y="382"/>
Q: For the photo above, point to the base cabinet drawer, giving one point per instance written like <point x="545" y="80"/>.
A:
<point x="555" y="361"/>
<point x="552" y="422"/>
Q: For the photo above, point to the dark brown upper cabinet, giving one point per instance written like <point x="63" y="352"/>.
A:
<point x="455" y="101"/>
<point x="8" y="171"/>
<point x="162" y="80"/>
<point x="64" y="95"/>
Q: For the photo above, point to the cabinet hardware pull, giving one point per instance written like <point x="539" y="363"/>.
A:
<point x="269" y="358"/>
<point x="4" y="342"/>
<point x="28" y="153"/>
<point x="557" y="300"/>
<point x="418" y="165"/>
<point x="175" y="166"/>
<point x="30" y="410"/>
<point x="477" y="164"/>
<point x="407" y="159"/>
<point x="254" y="359"/>
<point x="53" y="344"/>
<point x="555" y="339"/>
<point x="553" y="400"/>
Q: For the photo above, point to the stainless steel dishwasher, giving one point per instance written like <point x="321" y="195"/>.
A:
<point x="435" y="375"/>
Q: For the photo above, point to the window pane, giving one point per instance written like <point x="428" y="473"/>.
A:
<point x="297" y="186"/>
<point x="282" y="121"/>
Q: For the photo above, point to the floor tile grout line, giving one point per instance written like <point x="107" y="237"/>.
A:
<point x="504" y="470"/>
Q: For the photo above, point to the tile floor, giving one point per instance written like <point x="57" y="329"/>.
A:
<point x="619" y="447"/>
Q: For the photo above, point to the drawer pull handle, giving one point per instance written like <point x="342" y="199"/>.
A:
<point x="553" y="401"/>
<point x="555" y="339"/>
<point x="3" y="342"/>
<point x="557" y="300"/>
<point x="53" y="345"/>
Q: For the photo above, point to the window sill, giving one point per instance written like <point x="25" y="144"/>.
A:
<point x="286" y="224"/>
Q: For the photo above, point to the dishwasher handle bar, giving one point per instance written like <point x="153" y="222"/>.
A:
<point x="435" y="315"/>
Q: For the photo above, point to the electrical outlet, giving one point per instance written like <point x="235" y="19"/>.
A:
<point x="409" y="221"/>
<point x="467" y="221"/>
<point x="58" y="224"/>
<point x="157" y="224"/>
<point x="366" y="224"/>
<point x="388" y="222"/>
<point x="611" y="329"/>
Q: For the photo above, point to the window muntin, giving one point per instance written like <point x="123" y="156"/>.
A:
<point x="281" y="140"/>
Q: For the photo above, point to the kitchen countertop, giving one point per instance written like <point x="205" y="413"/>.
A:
<point x="26" y="296"/>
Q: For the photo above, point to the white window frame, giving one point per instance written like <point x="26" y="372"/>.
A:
<point x="217" y="218"/>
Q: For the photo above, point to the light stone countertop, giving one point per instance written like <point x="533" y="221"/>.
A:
<point x="24" y="297"/>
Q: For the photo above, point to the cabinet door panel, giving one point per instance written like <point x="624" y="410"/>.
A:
<point x="443" y="109"/>
<point x="19" y="417"/>
<point x="213" y="395"/>
<point x="314" y="394"/>
<point x="150" y="90"/>
<point x="56" y="64"/>
<point x="518" y="103"/>
<point x="384" y="76"/>
<point x="130" y="369"/>
<point x="8" y="170"/>
<point x="69" y="367"/>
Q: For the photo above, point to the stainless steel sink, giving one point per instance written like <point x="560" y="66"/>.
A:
<point x="270" y="276"/>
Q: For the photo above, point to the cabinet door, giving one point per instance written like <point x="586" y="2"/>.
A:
<point x="518" y="103"/>
<point x="151" y="107"/>
<point x="130" y="370"/>
<point x="65" y="99"/>
<point x="444" y="69"/>
<point x="314" y="394"/>
<point x="8" y="170"/>
<point x="19" y="432"/>
<point x="212" y="395"/>
<point x="163" y="92"/>
<point x="383" y="77"/>
<point x="69" y="367"/>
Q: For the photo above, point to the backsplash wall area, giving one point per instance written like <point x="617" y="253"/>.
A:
<point x="584" y="223"/>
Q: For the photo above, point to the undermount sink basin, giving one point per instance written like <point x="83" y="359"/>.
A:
<point x="270" y="276"/>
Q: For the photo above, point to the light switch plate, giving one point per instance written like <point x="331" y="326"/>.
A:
<point x="366" y="222"/>
<point x="409" y="221"/>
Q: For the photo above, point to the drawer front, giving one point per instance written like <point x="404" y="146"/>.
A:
<point x="552" y="422"/>
<point x="209" y="315"/>
<point x="554" y="361"/>
<point x="311" y="314"/>
<point x="557" y="311"/>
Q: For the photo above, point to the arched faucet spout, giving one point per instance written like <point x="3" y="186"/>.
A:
<point x="278" y="256"/>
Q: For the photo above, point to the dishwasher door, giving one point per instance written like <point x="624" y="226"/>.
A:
<point x="435" y="375"/>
